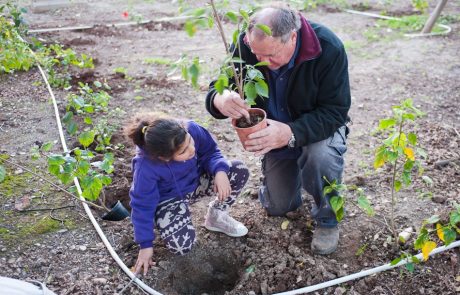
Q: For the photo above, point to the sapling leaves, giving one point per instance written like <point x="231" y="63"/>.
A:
<point x="264" y="28"/>
<point x="86" y="138"/>
<point x="262" y="88"/>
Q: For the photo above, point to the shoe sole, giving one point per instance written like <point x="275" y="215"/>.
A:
<point x="324" y="252"/>
<point x="220" y="231"/>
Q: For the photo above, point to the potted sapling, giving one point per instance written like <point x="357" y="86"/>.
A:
<point x="235" y="74"/>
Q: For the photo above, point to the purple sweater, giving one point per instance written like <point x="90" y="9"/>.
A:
<point x="155" y="181"/>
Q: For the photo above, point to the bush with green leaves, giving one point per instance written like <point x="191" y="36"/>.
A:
<point x="16" y="54"/>
<point x="92" y="175"/>
<point x="85" y="102"/>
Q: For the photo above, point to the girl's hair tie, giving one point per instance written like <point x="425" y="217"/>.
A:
<point x="144" y="129"/>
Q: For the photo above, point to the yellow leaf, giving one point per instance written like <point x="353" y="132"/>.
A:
<point x="428" y="246"/>
<point x="284" y="225"/>
<point x="440" y="232"/>
<point x="379" y="163"/>
<point x="409" y="153"/>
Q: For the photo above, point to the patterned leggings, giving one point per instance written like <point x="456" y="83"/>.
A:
<point x="173" y="216"/>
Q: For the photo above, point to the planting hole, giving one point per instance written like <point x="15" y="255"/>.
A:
<point x="204" y="271"/>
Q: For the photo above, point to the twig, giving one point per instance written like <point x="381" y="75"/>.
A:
<point x="56" y="186"/>
<point x="55" y="218"/>
<point x="130" y="282"/>
<point x="45" y="209"/>
<point x="238" y="79"/>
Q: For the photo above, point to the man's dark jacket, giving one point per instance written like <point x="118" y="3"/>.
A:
<point x="318" y="92"/>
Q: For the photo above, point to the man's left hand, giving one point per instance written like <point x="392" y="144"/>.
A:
<point x="276" y="135"/>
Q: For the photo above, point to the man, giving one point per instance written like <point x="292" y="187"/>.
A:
<point x="309" y="99"/>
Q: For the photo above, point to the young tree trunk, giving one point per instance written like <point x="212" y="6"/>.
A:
<point x="433" y="17"/>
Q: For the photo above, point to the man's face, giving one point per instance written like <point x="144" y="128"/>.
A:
<point x="272" y="50"/>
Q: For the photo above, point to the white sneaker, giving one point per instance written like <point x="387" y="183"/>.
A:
<point x="220" y="221"/>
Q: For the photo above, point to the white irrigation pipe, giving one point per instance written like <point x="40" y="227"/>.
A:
<point x="374" y="15"/>
<point x="76" y="28"/>
<point x="364" y="272"/>
<point x="85" y="206"/>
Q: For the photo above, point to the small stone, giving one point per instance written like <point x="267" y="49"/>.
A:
<point x="439" y="199"/>
<point x="82" y="248"/>
<point x="339" y="291"/>
<point x="101" y="281"/>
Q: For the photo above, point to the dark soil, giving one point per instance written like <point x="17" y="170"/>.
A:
<point x="254" y="119"/>
<point x="61" y="248"/>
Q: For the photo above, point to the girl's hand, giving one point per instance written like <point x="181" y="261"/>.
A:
<point x="144" y="260"/>
<point x="222" y="185"/>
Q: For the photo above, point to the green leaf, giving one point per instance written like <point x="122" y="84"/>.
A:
<point x="395" y="261"/>
<point x="386" y="123"/>
<point x="88" y="120"/>
<point x="252" y="74"/>
<point x="67" y="117"/>
<point x="2" y="173"/>
<point x="221" y="83"/>
<point x="56" y="160"/>
<point x="235" y="35"/>
<point x="210" y="22"/>
<point x="410" y="267"/>
<point x="232" y="17"/>
<point x="72" y="127"/>
<point x="412" y="137"/>
<point x="107" y="163"/>
<point x="262" y="88"/>
<point x="46" y="147"/>
<point x="407" y="178"/>
<point x="364" y="204"/>
<point x="397" y="185"/>
<point x="91" y="188"/>
<point x="454" y="218"/>
<point x="97" y="84"/>
<point x="250" y="90"/>
<point x="262" y="63"/>
<point x="245" y="15"/>
<point x="83" y="168"/>
<point x="264" y="28"/>
<point x="199" y="12"/>
<point x="86" y="138"/>
<point x="421" y="239"/>
<point x="337" y="203"/>
<point x="190" y="28"/>
<point x="449" y="236"/>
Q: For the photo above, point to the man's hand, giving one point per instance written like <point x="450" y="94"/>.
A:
<point x="144" y="260"/>
<point x="231" y="105"/>
<point x="276" y="135"/>
<point x="222" y="185"/>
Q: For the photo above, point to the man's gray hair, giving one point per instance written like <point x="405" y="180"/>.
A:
<point x="281" y="20"/>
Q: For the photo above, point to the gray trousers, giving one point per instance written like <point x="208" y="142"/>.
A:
<point x="284" y="178"/>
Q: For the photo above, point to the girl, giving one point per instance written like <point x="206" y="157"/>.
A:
<point x="176" y="163"/>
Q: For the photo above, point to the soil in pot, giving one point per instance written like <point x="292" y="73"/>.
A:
<point x="254" y="119"/>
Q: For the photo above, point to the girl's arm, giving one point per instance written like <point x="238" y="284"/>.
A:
<point x="209" y="155"/>
<point x="144" y="196"/>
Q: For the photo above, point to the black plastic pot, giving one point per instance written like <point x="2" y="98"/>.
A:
<point x="117" y="213"/>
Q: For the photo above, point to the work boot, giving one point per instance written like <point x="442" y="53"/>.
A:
<point x="220" y="221"/>
<point x="325" y="240"/>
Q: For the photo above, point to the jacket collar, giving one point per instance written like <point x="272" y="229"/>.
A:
<point x="310" y="47"/>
